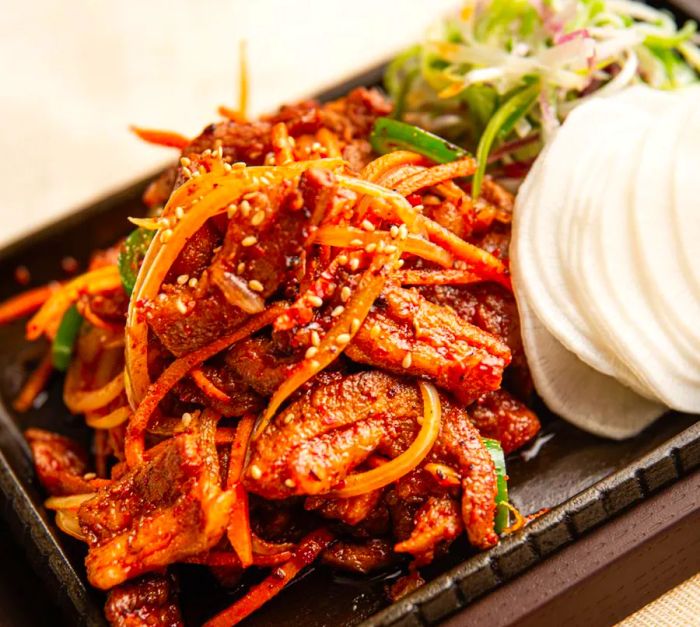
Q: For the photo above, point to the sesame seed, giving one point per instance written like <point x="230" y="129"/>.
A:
<point x="371" y="247"/>
<point x="264" y="180"/>
<point x="239" y="164"/>
<point x="89" y="475"/>
<point x="231" y="210"/>
<point x="182" y="279"/>
<point x="394" y="231"/>
<point x="179" y="213"/>
<point x="288" y="418"/>
<point x="381" y="246"/>
<point x="257" y="218"/>
<point x="164" y="222"/>
<point x="315" y="365"/>
<point x="186" y="419"/>
<point x="166" y="235"/>
<point x="399" y="264"/>
<point x="216" y="250"/>
<point x="240" y="268"/>
<point x="345" y="294"/>
<point x="337" y="311"/>
<point x="367" y="225"/>
<point x="315" y="338"/>
<point x="355" y="325"/>
<point x="356" y="242"/>
<point x="195" y="173"/>
<point x="255" y="472"/>
<point x="311" y="352"/>
<point x="375" y="331"/>
<point x="314" y="301"/>
<point x="207" y="152"/>
<point x="354" y="264"/>
<point x="403" y="231"/>
<point x="193" y="282"/>
<point x="251" y="240"/>
<point x="316" y="146"/>
<point x="343" y="339"/>
<point x="185" y="161"/>
<point x="419" y="207"/>
<point x="245" y="208"/>
<point x="187" y="173"/>
<point x="181" y="307"/>
<point x="227" y="167"/>
<point x="256" y="286"/>
<point x="290" y="483"/>
<point x="407" y="361"/>
<point x="342" y="260"/>
<point x="390" y="249"/>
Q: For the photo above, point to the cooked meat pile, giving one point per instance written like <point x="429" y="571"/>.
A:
<point x="299" y="295"/>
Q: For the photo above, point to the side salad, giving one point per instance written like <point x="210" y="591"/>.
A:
<point x="500" y="77"/>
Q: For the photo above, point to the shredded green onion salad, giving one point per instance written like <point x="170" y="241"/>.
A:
<point x="505" y="73"/>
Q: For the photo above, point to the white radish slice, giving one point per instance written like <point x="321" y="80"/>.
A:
<point x="588" y="399"/>
<point x="677" y="304"/>
<point x="536" y="269"/>
<point x="619" y="300"/>
<point x="577" y="225"/>
<point x="686" y="201"/>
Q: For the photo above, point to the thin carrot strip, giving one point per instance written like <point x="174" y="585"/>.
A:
<point x="438" y="277"/>
<point x="379" y="167"/>
<point x="111" y="420"/>
<point x="329" y="140"/>
<point x="308" y="550"/>
<point x="25" y="303"/>
<point x="206" y="386"/>
<point x="48" y="318"/>
<point x="169" y="139"/>
<point x="231" y="114"/>
<point x="281" y="146"/>
<point x="135" y="433"/>
<point x="34" y="385"/>
<point x="437" y="174"/>
<point x="239" y="531"/>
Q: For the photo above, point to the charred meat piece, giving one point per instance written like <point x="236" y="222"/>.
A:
<point x="335" y="426"/>
<point x="437" y="523"/>
<point x="499" y="416"/>
<point x="492" y="308"/>
<point x="259" y="364"/>
<point x="351" y="511"/>
<point x="364" y="558"/>
<point x="160" y="512"/>
<point x="349" y="118"/>
<point x="60" y="463"/>
<point x="406" y="333"/>
<point x="185" y="318"/>
<point x="149" y="601"/>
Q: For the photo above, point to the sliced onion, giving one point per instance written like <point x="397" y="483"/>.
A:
<point x="385" y="474"/>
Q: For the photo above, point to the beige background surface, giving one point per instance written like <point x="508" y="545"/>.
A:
<point x="76" y="73"/>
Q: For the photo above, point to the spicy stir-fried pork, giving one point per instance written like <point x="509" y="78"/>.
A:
<point x="299" y="355"/>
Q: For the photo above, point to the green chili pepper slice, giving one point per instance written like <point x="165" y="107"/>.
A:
<point x="131" y="256"/>
<point x="499" y="461"/>
<point x="500" y="124"/>
<point x="389" y="134"/>
<point x="62" y="347"/>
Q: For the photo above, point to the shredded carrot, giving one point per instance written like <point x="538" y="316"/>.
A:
<point x="479" y="259"/>
<point x="308" y="550"/>
<point x="25" y="303"/>
<point x="169" y="139"/>
<point x="329" y="140"/>
<point x="34" y="385"/>
<point x="437" y="174"/>
<point x="450" y="276"/>
<point x="134" y="442"/>
<point x="91" y="317"/>
<point x="281" y="144"/>
<point x="206" y="386"/>
<point x="243" y="78"/>
<point x="231" y="114"/>
<point x="48" y="318"/>
<point x="375" y="170"/>
<point x="239" y="532"/>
